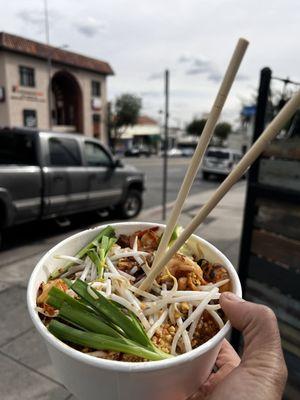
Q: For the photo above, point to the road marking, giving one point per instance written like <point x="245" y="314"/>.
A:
<point x="156" y="162"/>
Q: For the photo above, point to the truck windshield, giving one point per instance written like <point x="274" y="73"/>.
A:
<point x="17" y="148"/>
<point x="218" y="154"/>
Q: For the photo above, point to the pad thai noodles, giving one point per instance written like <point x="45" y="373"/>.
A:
<point x="94" y="302"/>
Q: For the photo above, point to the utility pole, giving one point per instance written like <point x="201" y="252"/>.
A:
<point x="47" y="34"/>
<point x="166" y="142"/>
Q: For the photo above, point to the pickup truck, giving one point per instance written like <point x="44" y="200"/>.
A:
<point x="52" y="175"/>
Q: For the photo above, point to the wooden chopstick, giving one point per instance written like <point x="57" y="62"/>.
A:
<point x="252" y="154"/>
<point x="204" y="139"/>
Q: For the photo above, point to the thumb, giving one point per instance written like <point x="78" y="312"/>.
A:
<point x="258" y="324"/>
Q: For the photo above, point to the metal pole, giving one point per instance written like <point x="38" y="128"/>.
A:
<point x="249" y="208"/>
<point x="262" y="103"/>
<point x="166" y="142"/>
<point x="109" y="127"/>
<point x="48" y="62"/>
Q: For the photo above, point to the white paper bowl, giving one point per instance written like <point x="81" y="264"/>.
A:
<point x="90" y="378"/>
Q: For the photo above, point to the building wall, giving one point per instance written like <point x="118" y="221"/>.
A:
<point x="104" y="118"/>
<point x="238" y="141"/>
<point x="4" y="117"/>
<point x="19" y="98"/>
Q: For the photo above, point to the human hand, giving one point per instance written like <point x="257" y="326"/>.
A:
<point x="261" y="373"/>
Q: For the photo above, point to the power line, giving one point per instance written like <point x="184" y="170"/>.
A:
<point x="286" y="81"/>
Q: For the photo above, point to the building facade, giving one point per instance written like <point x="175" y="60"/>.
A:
<point x="51" y="89"/>
<point x="145" y="133"/>
<point x="241" y="138"/>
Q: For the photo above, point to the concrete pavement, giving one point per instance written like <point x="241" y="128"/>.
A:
<point x="26" y="372"/>
<point x="222" y="227"/>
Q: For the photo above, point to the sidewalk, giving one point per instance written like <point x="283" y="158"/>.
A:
<point x="222" y="227"/>
<point x="26" y="372"/>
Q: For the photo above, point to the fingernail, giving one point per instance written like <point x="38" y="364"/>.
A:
<point x="232" y="297"/>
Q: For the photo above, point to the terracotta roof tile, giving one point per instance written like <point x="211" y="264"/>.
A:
<point x="145" y="120"/>
<point x="40" y="50"/>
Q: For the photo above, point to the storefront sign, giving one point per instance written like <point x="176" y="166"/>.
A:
<point x="23" y="94"/>
<point x="96" y="103"/>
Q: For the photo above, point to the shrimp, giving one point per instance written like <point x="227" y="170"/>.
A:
<point x="187" y="272"/>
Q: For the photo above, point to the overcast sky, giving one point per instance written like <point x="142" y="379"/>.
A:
<point x="193" y="38"/>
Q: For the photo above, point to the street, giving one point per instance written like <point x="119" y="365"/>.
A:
<point x="32" y="234"/>
<point x="23" y="244"/>
<point x="152" y="167"/>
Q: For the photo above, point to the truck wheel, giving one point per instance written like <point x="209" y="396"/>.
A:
<point x="131" y="205"/>
<point x="205" y="175"/>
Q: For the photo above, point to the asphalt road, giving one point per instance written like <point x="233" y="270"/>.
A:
<point x="34" y="236"/>
<point x="153" y="169"/>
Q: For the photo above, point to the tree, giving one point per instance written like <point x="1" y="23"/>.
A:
<point x="196" y="127"/>
<point x="126" y="112"/>
<point x="222" y="130"/>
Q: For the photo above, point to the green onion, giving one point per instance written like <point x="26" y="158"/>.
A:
<point x="99" y="258"/>
<point x="150" y="345"/>
<point x="120" y="332"/>
<point x="135" y="321"/>
<point x="102" y="342"/>
<point x="86" y="320"/>
<point x="108" y="231"/>
<point x="96" y="260"/>
<point x="111" y="312"/>
<point x="68" y="282"/>
<point x="56" y="298"/>
<point x="175" y="235"/>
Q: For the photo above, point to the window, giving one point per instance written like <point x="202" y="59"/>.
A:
<point x="64" y="152"/>
<point x="29" y="118"/>
<point x="96" y="156"/>
<point x="236" y="157"/>
<point x="96" y="118"/>
<point x="96" y="89"/>
<point x="27" y="77"/>
<point x="96" y="125"/>
<point x="2" y="94"/>
<point x="218" y="154"/>
<point x="17" y="148"/>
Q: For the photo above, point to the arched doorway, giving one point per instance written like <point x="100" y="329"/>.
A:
<point x="66" y="102"/>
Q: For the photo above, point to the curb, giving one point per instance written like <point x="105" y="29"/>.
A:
<point x="156" y="209"/>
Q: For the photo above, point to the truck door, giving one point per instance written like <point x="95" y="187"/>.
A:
<point x="105" y="187"/>
<point x="66" y="178"/>
<point x="20" y="174"/>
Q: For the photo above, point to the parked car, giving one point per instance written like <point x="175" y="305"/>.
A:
<point x="138" y="152"/>
<point x="187" y="151"/>
<point x="49" y="175"/>
<point x="174" y="152"/>
<point x="219" y="161"/>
